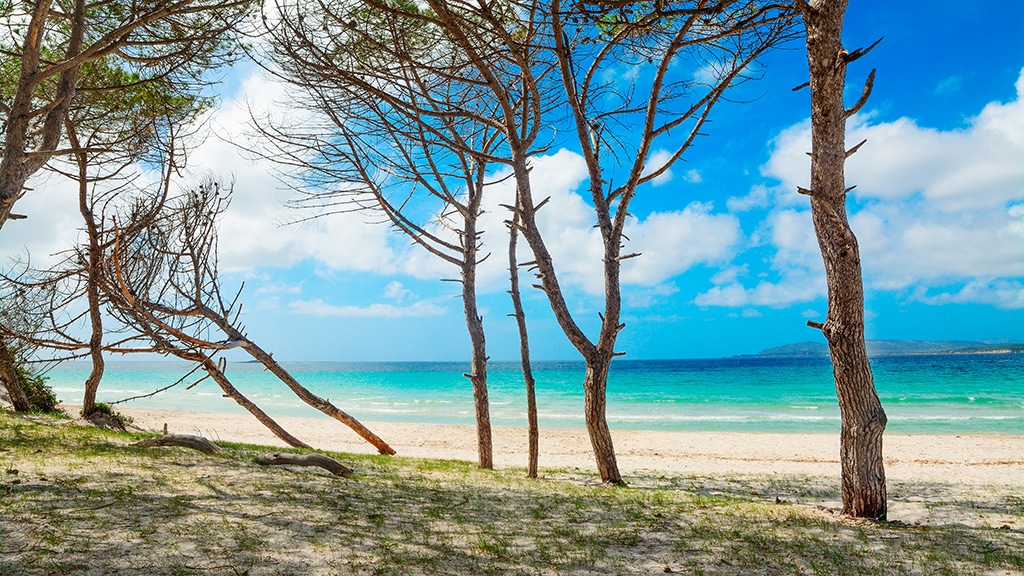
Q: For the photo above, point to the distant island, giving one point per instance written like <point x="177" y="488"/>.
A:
<point x="902" y="348"/>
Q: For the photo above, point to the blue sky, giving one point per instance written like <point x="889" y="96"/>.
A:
<point x="730" y="264"/>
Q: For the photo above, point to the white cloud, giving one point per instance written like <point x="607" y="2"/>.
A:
<point x="655" y="161"/>
<point x="319" y="308"/>
<point x="939" y="208"/>
<point x="396" y="291"/>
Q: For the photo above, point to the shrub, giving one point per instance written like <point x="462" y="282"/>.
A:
<point x="41" y="397"/>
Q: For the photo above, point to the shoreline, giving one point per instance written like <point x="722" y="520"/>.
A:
<point x="976" y="459"/>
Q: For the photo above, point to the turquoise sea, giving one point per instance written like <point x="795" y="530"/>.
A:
<point x="942" y="394"/>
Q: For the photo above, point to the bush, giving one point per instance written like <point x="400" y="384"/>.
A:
<point x="121" y="419"/>
<point x="41" y="397"/>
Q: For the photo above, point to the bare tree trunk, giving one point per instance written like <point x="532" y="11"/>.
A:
<point x="231" y="392"/>
<point x="533" y="430"/>
<point x="597" y="357"/>
<point x="863" y="419"/>
<point x="478" y="374"/>
<point x="92" y="289"/>
<point x="321" y="404"/>
<point x="9" y="375"/>
<point x="595" y="406"/>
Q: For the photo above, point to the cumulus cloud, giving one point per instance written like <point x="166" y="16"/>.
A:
<point x="937" y="208"/>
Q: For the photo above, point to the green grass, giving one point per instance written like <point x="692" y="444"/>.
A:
<point x="78" y="500"/>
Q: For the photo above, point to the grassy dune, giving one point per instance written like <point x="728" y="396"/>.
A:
<point x="77" y="500"/>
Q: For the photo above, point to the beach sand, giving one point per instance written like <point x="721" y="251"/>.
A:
<point x="970" y="459"/>
<point x="933" y="479"/>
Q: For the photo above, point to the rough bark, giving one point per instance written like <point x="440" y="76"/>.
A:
<point x="9" y="375"/>
<point x="285" y="459"/>
<point x="533" y="429"/>
<point x="93" y="264"/>
<point x="17" y="164"/>
<point x="863" y="419"/>
<point x="180" y="440"/>
<point x="475" y="325"/>
<point x="596" y="356"/>
<point x="478" y="374"/>
<point x="231" y="392"/>
<point x="322" y="404"/>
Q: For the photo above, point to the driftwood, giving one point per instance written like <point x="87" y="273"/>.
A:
<point x="184" y="440"/>
<point x="284" y="459"/>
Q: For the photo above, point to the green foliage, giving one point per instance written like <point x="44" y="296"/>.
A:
<point x="118" y="417"/>
<point x="41" y="397"/>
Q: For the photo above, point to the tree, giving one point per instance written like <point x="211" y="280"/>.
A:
<point x="117" y="121"/>
<point x="617" y="126"/>
<point x="532" y="426"/>
<point x="863" y="419"/>
<point x="407" y="132"/>
<point x="162" y="279"/>
<point x="47" y="45"/>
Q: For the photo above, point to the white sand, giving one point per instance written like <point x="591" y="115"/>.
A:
<point x="965" y="459"/>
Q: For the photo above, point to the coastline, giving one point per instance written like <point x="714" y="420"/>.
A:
<point x="977" y="460"/>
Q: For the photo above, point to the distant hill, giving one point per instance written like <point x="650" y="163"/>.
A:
<point x="902" y="348"/>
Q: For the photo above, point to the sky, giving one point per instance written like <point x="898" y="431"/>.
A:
<point x="729" y="262"/>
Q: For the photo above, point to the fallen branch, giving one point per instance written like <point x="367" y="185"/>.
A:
<point x="184" y="440"/>
<point x="284" y="459"/>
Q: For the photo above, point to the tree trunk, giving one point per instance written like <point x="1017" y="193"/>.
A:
<point x="92" y="271"/>
<point x="9" y="375"/>
<point x="594" y="405"/>
<point x="16" y="165"/>
<point x="475" y="325"/>
<point x="231" y="392"/>
<point x="863" y="420"/>
<point x="478" y="376"/>
<point x="533" y="430"/>
<point x="322" y="404"/>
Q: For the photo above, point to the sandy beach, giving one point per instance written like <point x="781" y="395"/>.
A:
<point x="967" y="459"/>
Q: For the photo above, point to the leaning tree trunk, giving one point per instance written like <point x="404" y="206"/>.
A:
<point x="863" y="420"/>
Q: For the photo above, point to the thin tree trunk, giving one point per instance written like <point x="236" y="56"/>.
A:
<point x="92" y="289"/>
<point x="863" y="419"/>
<point x="9" y="374"/>
<point x="475" y="323"/>
<point x="478" y="374"/>
<point x="597" y="357"/>
<point x="322" y="404"/>
<point x="231" y="392"/>
<point x="533" y="430"/>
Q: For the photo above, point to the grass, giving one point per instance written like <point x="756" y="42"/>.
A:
<point x="78" y="500"/>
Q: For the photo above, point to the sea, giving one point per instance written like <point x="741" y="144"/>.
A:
<point x="928" y="393"/>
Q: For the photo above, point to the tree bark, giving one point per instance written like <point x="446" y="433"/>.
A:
<point x="863" y="419"/>
<point x="9" y="375"/>
<point x="475" y="324"/>
<point x="533" y="429"/>
<point x="93" y="270"/>
<point x="180" y="440"/>
<point x="322" y="404"/>
<point x="285" y="459"/>
<point x="231" y="392"/>
<point x="595" y="386"/>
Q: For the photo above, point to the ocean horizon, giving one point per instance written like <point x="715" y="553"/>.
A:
<point x="929" y="393"/>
